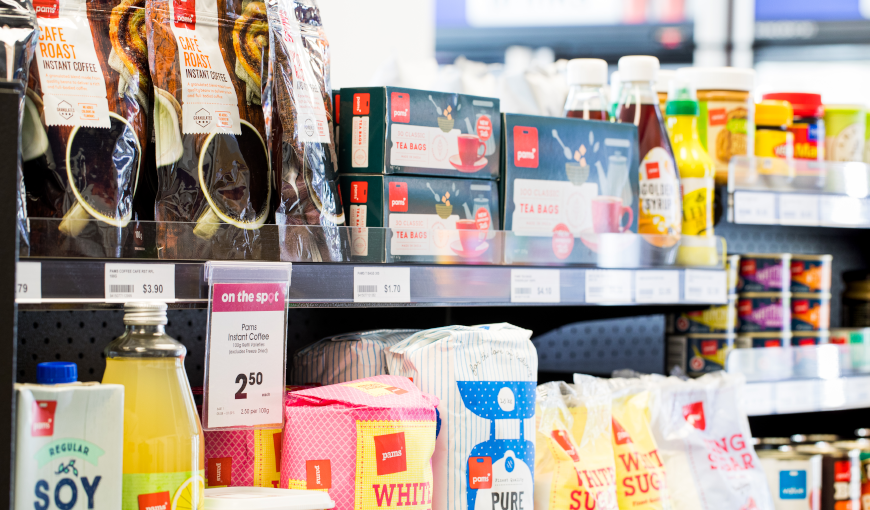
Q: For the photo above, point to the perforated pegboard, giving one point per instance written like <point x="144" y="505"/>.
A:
<point x="599" y="347"/>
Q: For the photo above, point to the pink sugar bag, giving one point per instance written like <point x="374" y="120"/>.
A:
<point x="368" y="442"/>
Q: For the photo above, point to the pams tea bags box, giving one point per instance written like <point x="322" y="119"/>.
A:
<point x="431" y="219"/>
<point x="388" y="130"/>
<point x="566" y="182"/>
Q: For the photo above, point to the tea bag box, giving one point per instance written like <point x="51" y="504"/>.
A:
<point x="565" y="182"/>
<point x="431" y="219"/>
<point x="388" y="130"/>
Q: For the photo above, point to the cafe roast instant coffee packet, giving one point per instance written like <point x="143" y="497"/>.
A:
<point x="214" y="177"/>
<point x="86" y="123"/>
<point x="298" y="102"/>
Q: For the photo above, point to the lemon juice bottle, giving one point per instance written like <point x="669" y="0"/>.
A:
<point x="163" y="442"/>
<point x="698" y="246"/>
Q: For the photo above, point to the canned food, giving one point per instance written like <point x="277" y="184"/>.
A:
<point x="850" y="335"/>
<point x="794" y="478"/>
<point x="811" y="273"/>
<point x="806" y="338"/>
<point x="699" y="354"/>
<point x="854" y="347"/>
<point x="810" y="312"/>
<point x="841" y="478"/>
<point x="764" y="272"/>
<point x="716" y="319"/>
<point x="732" y="270"/>
<point x="762" y="340"/>
<point x="760" y="312"/>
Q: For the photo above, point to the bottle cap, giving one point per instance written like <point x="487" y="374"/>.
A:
<point x="57" y="372"/>
<point x="638" y="68"/>
<point x="587" y="71"/>
<point x="663" y="82"/>
<point x="145" y="313"/>
<point x="773" y="113"/>
<point x="720" y="78"/>
<point x="682" y="98"/>
<point x="804" y="104"/>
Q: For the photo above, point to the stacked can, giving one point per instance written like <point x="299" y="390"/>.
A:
<point x="811" y="299"/>
<point x="764" y="300"/>
<point x="699" y="341"/>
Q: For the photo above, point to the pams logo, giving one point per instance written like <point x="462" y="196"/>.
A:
<point x="398" y="197"/>
<point x="400" y="107"/>
<point x="694" y="415"/>
<point x="361" y="104"/>
<point x="801" y="306"/>
<point x="43" y="418"/>
<point x="480" y="472"/>
<point x="390" y="453"/>
<point x="318" y="474"/>
<point x="525" y="147"/>
<point x="709" y="347"/>
<point x="620" y="435"/>
<point x="747" y="267"/>
<point x="652" y="170"/>
<point x="154" y="501"/>
<point x="744" y="307"/>
<point x="220" y="472"/>
<point x="47" y="8"/>
<point x="561" y="438"/>
<point x="797" y="267"/>
<point x="359" y="192"/>
<point x="185" y="13"/>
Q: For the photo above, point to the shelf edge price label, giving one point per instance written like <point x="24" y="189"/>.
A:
<point x="139" y="282"/>
<point x="245" y="378"/>
<point x="754" y="208"/>
<point x="608" y="286"/>
<point x="657" y="286"/>
<point x="28" y="282"/>
<point x="535" y="286"/>
<point x="705" y="286"/>
<point x="377" y="284"/>
<point x="799" y="209"/>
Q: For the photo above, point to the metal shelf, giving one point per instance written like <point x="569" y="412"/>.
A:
<point x="81" y="284"/>
<point x="806" y="395"/>
<point x="768" y="191"/>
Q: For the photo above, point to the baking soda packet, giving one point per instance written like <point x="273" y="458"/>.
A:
<point x="705" y="443"/>
<point x="641" y="482"/>
<point x="485" y="377"/>
<point x="574" y="463"/>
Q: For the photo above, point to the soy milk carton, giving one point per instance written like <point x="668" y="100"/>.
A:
<point x="485" y="378"/>
<point x="69" y="441"/>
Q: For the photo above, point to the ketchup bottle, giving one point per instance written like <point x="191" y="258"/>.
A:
<point x="587" y="78"/>
<point x="660" y="196"/>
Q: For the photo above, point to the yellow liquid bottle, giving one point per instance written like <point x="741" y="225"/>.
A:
<point x="697" y="172"/>
<point x="163" y="441"/>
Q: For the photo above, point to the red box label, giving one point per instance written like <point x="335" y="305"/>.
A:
<point x="620" y="435"/>
<point x="154" y="501"/>
<point x="359" y="192"/>
<point x="46" y="8"/>
<point x="525" y="147"/>
<point x="361" y="104"/>
<point x="220" y="471"/>
<point x="398" y="197"/>
<point x="480" y="472"/>
<point x="318" y="474"/>
<point x="561" y="438"/>
<point x="718" y="117"/>
<point x="400" y="107"/>
<point x="709" y="347"/>
<point x="652" y="170"/>
<point x="390" y="452"/>
<point x="694" y="415"/>
<point x="337" y="109"/>
<point x="185" y="13"/>
<point x="43" y="418"/>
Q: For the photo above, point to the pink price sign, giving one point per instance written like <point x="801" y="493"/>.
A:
<point x="248" y="297"/>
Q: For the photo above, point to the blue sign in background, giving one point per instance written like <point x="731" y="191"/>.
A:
<point x="812" y="10"/>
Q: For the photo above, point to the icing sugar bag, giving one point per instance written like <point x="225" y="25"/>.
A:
<point x="485" y="377"/>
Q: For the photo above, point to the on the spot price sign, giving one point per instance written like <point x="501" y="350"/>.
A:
<point x="245" y="377"/>
<point x="139" y="282"/>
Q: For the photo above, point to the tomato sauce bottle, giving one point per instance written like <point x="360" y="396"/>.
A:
<point x="660" y="196"/>
<point x="587" y="78"/>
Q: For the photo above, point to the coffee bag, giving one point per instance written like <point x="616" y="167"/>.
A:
<point x="213" y="167"/>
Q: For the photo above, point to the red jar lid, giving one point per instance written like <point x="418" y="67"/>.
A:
<point x="804" y="104"/>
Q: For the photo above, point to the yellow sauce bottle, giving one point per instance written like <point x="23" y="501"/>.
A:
<point x="697" y="172"/>
<point x="163" y="441"/>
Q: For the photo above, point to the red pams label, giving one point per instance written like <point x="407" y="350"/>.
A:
<point x="525" y="147"/>
<point x="652" y="170"/>
<point x="47" y="8"/>
<point x="398" y="197"/>
<point x="480" y="472"/>
<point x="185" y="13"/>
<point x="154" y="501"/>
<point x="43" y="418"/>
<point x="400" y="107"/>
<point x="220" y="471"/>
<point x="561" y="438"/>
<point x="801" y="306"/>
<point x="717" y="116"/>
<point x="709" y="347"/>
<point x="336" y="107"/>
<point x="359" y="192"/>
<point x="361" y="104"/>
<point x="747" y="267"/>
<point x="694" y="415"/>
<point x="390" y="452"/>
<point x="277" y="442"/>
<point x="318" y="474"/>
<point x="620" y="435"/>
<point x="842" y="471"/>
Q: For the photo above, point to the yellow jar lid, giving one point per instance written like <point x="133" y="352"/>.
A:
<point x="773" y="113"/>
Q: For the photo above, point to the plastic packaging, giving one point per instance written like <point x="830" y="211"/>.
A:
<point x="260" y="498"/>
<point x="86" y="126"/>
<point x="212" y="164"/>
<point x="574" y="463"/>
<point x="298" y="103"/>
<point x="346" y="357"/>
<point x="163" y="441"/>
<point x="587" y="78"/>
<point x="69" y="441"/>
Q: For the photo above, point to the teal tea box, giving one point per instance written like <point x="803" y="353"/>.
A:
<point x="565" y="183"/>
<point x="388" y="130"/>
<point x="430" y="219"/>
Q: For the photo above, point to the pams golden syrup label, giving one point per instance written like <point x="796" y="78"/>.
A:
<point x="660" y="198"/>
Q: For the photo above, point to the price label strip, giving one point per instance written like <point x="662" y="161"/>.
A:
<point x="799" y="209"/>
<point x="28" y="282"/>
<point x="754" y="208"/>
<point x="535" y="286"/>
<point x="375" y="284"/>
<point x="139" y="282"/>
<point x="608" y="286"/>
<point x="657" y="286"/>
<point x="703" y="286"/>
